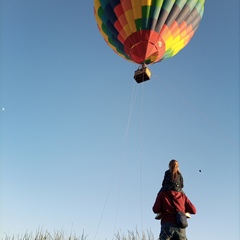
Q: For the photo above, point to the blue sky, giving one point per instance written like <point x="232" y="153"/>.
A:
<point x="84" y="147"/>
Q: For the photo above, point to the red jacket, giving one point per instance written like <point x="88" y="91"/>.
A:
<point x="164" y="204"/>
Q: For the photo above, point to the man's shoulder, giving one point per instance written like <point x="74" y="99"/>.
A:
<point x="177" y="195"/>
<point x="163" y="194"/>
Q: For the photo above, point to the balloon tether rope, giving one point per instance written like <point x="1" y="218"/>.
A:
<point x="122" y="160"/>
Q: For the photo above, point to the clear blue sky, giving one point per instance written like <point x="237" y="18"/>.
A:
<point x="84" y="147"/>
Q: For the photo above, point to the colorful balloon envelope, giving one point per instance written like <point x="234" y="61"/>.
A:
<point x="148" y="31"/>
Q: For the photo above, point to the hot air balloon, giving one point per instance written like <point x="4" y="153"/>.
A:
<point x="147" y="31"/>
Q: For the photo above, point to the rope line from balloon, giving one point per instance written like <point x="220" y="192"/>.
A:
<point x="122" y="164"/>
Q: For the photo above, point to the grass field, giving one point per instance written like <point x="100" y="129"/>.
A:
<point x="60" y="235"/>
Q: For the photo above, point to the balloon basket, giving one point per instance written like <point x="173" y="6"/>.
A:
<point x="141" y="75"/>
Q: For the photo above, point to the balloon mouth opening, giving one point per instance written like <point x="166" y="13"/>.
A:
<point x="145" y="46"/>
<point x="142" y="51"/>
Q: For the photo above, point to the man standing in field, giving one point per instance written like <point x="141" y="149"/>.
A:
<point x="168" y="203"/>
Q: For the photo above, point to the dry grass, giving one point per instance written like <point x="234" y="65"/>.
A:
<point x="131" y="235"/>
<point x="60" y="235"/>
<point x="41" y="235"/>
